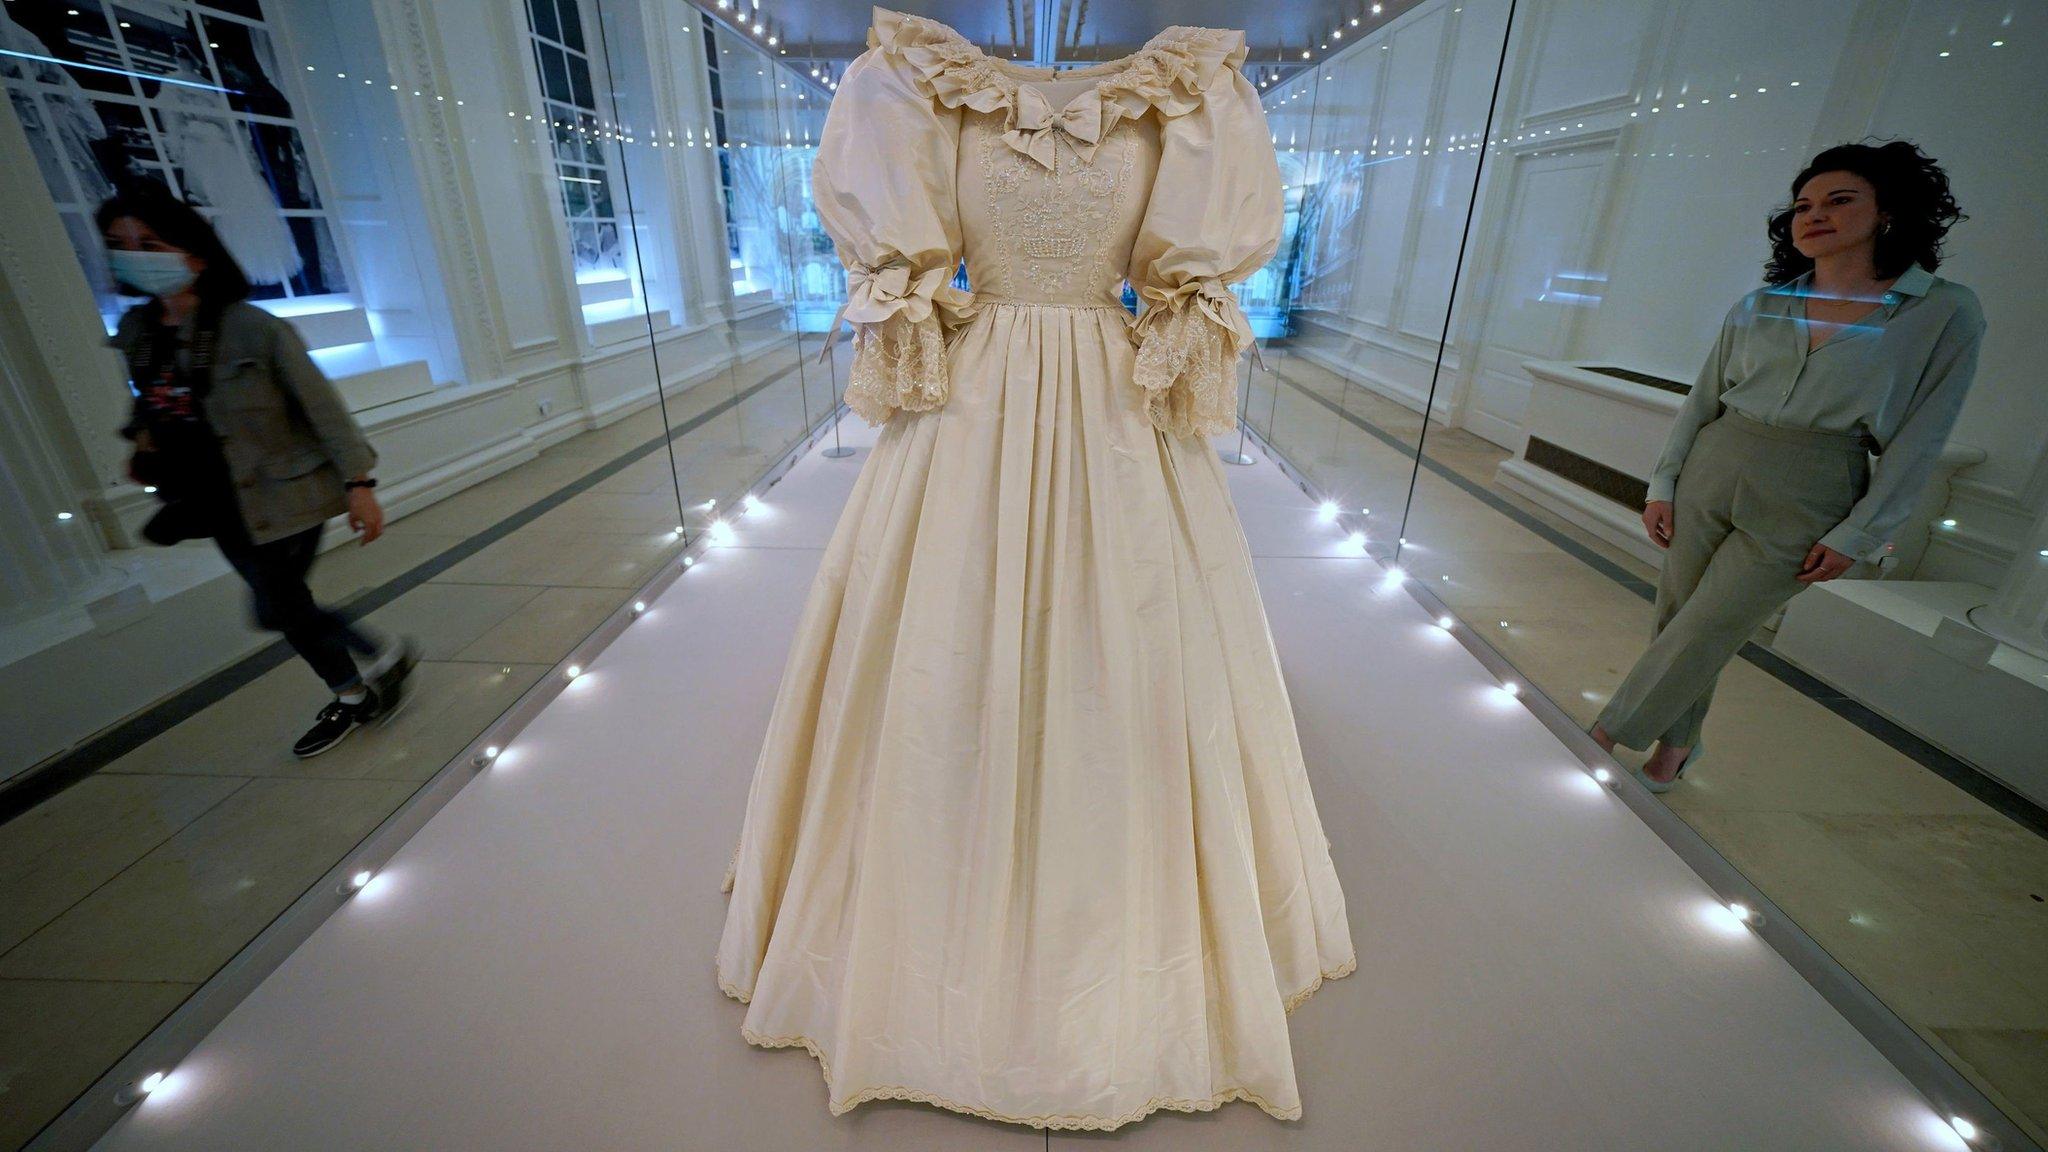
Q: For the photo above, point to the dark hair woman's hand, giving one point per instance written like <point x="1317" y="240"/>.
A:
<point x="365" y="515"/>
<point x="1823" y="563"/>
<point x="1657" y="522"/>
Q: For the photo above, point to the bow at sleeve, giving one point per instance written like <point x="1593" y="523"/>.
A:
<point x="891" y="213"/>
<point x="1214" y="219"/>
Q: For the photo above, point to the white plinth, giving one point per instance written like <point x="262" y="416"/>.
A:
<point x="1611" y="421"/>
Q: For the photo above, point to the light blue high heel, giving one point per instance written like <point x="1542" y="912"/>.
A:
<point x="1662" y="786"/>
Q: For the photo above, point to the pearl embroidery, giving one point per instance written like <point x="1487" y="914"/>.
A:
<point x="1053" y="223"/>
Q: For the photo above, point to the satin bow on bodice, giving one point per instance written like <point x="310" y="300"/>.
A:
<point x="1033" y="124"/>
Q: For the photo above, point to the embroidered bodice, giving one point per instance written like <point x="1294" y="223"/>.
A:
<point x="1053" y="224"/>
<point x="1055" y="188"/>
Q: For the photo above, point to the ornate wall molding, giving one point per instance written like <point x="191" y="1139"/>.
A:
<point x="65" y="392"/>
<point x="412" y="52"/>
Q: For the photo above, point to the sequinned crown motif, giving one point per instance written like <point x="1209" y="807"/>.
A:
<point x="1055" y="243"/>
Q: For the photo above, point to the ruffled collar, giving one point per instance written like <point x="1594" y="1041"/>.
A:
<point x="1169" y="74"/>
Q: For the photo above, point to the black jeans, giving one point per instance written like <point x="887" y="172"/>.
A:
<point x="276" y="575"/>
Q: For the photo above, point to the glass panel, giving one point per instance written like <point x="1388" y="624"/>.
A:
<point x="571" y="22"/>
<point x="554" y="74"/>
<point x="1376" y="207"/>
<point x="1677" y="302"/>
<point x="817" y="279"/>
<point x="579" y="83"/>
<point x="525" y="379"/>
<point x="545" y="23"/>
<point x="1290" y="419"/>
<point x="765" y="412"/>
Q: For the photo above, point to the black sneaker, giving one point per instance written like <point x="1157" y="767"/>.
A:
<point x="387" y="678"/>
<point x="333" y="725"/>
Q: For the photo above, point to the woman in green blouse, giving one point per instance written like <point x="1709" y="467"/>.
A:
<point x="1853" y="348"/>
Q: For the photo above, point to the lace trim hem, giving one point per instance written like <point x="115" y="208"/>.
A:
<point x="1056" y="1121"/>
<point x="1337" y="973"/>
<point x="1187" y="367"/>
<point x="897" y="364"/>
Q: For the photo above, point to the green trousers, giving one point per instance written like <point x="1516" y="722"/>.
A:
<point x="1752" y="500"/>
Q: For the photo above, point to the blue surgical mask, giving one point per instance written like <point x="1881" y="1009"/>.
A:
<point x="157" y="273"/>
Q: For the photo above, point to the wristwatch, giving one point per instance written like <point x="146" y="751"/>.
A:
<point x="370" y="483"/>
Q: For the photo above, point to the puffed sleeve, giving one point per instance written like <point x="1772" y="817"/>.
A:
<point x="883" y="183"/>
<point x="1912" y="453"/>
<point x="1213" y="220"/>
<point x="1703" y="403"/>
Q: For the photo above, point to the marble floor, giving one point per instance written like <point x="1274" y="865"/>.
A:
<point x="1932" y="899"/>
<point x="129" y="889"/>
<point x="532" y="968"/>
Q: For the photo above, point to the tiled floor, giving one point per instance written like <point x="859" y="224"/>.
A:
<point x="1932" y="899"/>
<point x="128" y="890"/>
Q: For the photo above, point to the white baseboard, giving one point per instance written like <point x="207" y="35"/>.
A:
<point x="1400" y="394"/>
<point x="1595" y="513"/>
<point x="552" y="430"/>
<point x="1494" y="429"/>
<point x="1992" y="525"/>
<point x="425" y="489"/>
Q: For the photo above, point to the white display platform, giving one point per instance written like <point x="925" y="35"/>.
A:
<point x="533" y="970"/>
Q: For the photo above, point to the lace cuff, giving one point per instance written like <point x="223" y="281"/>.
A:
<point x="1189" y="340"/>
<point x="900" y="323"/>
<point x="898" y="363"/>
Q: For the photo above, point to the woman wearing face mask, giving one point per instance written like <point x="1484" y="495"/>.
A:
<point x="1764" y="487"/>
<point x="246" y="441"/>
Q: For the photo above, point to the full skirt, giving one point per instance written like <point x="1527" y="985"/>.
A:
<point x="1030" y="835"/>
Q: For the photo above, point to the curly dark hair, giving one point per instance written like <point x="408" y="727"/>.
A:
<point x="1912" y="192"/>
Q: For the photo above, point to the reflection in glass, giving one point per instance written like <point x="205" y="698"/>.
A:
<point x="1872" y="748"/>
<point x="1375" y="151"/>
<point x="206" y="116"/>
<point x="585" y="147"/>
<point x="550" y="397"/>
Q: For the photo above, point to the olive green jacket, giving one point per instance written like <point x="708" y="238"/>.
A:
<point x="288" y="436"/>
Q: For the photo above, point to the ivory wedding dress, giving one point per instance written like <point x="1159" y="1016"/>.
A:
<point x="1030" y="836"/>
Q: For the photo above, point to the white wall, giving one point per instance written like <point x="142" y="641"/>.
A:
<point x="366" y="172"/>
<point x="1981" y="111"/>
